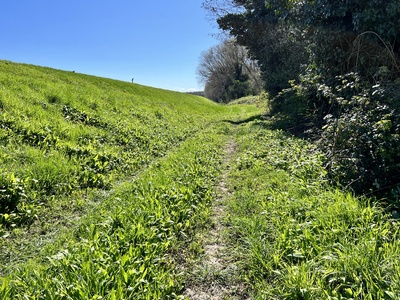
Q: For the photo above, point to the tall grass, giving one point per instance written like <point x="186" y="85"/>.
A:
<point x="100" y="182"/>
<point x="296" y="237"/>
<point x="122" y="250"/>
<point x="61" y="131"/>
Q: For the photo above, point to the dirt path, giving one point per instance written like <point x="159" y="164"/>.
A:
<point x="215" y="277"/>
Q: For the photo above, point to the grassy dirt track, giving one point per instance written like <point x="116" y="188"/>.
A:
<point x="102" y="183"/>
<point x="112" y="190"/>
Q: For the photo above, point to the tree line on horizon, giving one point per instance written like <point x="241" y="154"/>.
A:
<point x="332" y="72"/>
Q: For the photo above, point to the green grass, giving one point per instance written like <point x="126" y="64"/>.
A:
<point x="106" y="186"/>
<point x="296" y="237"/>
<point x="261" y="101"/>
<point x="62" y="131"/>
<point x="122" y="250"/>
<point x="101" y="183"/>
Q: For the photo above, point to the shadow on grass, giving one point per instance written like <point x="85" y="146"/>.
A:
<point x="299" y="129"/>
<point x="252" y="118"/>
<point x="278" y="122"/>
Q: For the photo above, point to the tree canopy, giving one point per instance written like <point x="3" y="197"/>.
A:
<point x="341" y="36"/>
<point x="333" y="70"/>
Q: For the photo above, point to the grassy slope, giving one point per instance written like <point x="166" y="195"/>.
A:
<point x="114" y="178"/>
<point x="72" y="146"/>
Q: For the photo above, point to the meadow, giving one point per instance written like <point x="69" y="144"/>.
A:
<point x="107" y="187"/>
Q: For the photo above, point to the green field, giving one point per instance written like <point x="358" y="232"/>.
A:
<point x="107" y="189"/>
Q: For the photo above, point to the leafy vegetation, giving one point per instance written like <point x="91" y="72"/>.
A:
<point x="61" y="132"/>
<point x="105" y="186"/>
<point x="356" y="125"/>
<point x="101" y="182"/>
<point x="333" y="70"/>
<point x="297" y="238"/>
<point x="122" y="250"/>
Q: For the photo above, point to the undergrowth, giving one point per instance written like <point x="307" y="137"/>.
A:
<point x="104" y="185"/>
<point x="297" y="238"/>
<point x="122" y="251"/>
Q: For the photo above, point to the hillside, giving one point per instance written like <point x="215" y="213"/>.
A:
<point x="112" y="190"/>
<point x="63" y="134"/>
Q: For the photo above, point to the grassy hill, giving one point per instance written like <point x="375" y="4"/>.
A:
<point x="78" y="155"/>
<point x="110" y="190"/>
<point x="62" y="132"/>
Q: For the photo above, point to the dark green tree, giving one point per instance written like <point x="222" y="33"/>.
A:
<point x="278" y="46"/>
<point x="341" y="36"/>
<point x="348" y="95"/>
<point x="353" y="36"/>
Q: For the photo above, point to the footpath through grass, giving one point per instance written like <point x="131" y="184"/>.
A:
<point x="101" y="183"/>
<point x="125" y="250"/>
<point x="105" y="187"/>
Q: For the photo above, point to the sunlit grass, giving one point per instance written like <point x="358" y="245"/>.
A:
<point x="104" y="186"/>
<point x="101" y="182"/>
<point x="297" y="238"/>
<point x="121" y="247"/>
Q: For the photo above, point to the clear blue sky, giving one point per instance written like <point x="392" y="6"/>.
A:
<point x="157" y="42"/>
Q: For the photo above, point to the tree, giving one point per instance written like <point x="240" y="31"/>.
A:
<point x="341" y="36"/>
<point x="353" y="36"/>
<point x="228" y="73"/>
<point x="348" y="95"/>
<point x="278" y="46"/>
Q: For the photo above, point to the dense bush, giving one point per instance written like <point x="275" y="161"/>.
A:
<point x="347" y="92"/>
<point x="356" y="124"/>
<point x="302" y="106"/>
<point x="362" y="138"/>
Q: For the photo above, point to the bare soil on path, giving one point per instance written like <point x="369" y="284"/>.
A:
<point x="216" y="275"/>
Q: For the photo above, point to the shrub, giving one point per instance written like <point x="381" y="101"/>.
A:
<point x="356" y="125"/>
<point x="303" y="105"/>
<point x="361" y="137"/>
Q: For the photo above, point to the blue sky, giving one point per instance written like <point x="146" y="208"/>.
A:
<point x="157" y="42"/>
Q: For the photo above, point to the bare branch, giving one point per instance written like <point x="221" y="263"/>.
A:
<point x="219" y="8"/>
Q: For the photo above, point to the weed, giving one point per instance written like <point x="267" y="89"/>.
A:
<point x="12" y="191"/>
<point x="297" y="237"/>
